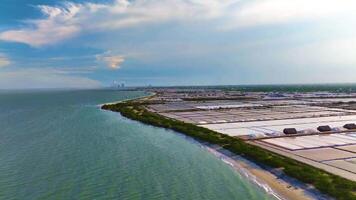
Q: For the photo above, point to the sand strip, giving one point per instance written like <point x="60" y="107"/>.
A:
<point x="279" y="188"/>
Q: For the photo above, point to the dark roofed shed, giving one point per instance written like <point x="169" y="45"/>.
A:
<point x="350" y="126"/>
<point x="324" y="128"/>
<point x="290" y="131"/>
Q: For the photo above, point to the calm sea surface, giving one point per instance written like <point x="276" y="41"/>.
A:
<point x="60" y="145"/>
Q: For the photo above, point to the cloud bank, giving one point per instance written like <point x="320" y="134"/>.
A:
<point x="270" y="12"/>
<point x="71" y="19"/>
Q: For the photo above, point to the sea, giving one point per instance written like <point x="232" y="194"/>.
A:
<point x="61" y="145"/>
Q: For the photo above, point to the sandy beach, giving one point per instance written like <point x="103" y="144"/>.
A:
<point x="279" y="188"/>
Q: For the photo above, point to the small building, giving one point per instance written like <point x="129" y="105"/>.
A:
<point x="350" y="126"/>
<point x="290" y="131"/>
<point x="324" y="128"/>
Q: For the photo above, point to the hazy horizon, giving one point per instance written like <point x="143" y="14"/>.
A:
<point x="331" y="87"/>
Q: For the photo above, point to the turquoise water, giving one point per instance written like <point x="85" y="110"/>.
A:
<point x="60" y="145"/>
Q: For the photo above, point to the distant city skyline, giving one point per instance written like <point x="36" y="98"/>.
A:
<point x="86" y="44"/>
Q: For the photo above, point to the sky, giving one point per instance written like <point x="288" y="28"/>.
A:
<point x="95" y="43"/>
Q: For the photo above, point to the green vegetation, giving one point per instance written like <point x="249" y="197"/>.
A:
<point x="332" y="185"/>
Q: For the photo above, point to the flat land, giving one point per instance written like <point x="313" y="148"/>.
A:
<point x="261" y="121"/>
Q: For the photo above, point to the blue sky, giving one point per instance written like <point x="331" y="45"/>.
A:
<point x="76" y="43"/>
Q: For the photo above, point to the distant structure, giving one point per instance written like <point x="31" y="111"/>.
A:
<point x="116" y="84"/>
<point x="275" y="96"/>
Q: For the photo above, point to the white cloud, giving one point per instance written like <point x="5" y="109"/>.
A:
<point x="335" y="52"/>
<point x="4" y="61"/>
<point x="328" y="59"/>
<point x="43" y="78"/>
<point x="265" y="12"/>
<point x="112" y="61"/>
<point x="59" y="24"/>
<point x="63" y="22"/>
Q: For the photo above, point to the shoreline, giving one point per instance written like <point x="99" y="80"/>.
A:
<point x="273" y="185"/>
<point x="271" y="174"/>
<point x="267" y="181"/>
<point x="120" y="101"/>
